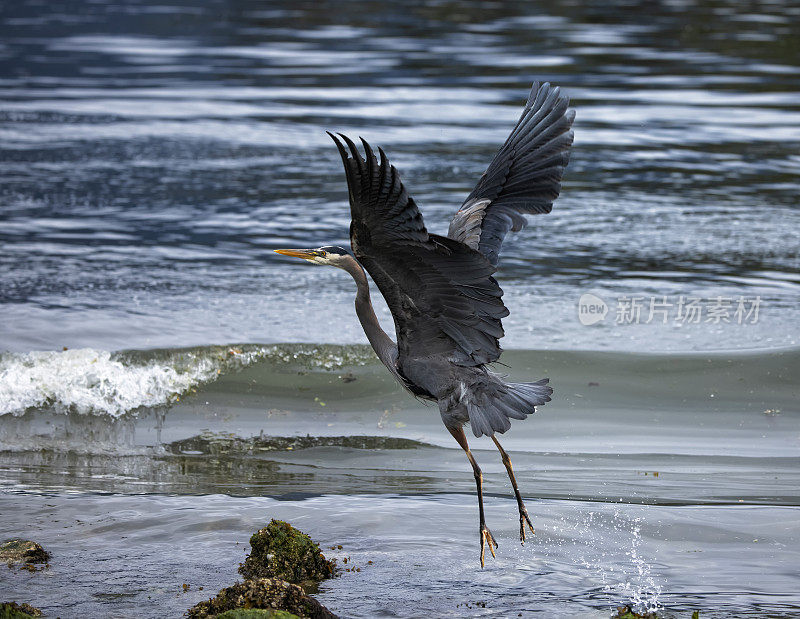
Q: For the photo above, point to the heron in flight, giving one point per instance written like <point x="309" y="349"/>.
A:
<point x="447" y="307"/>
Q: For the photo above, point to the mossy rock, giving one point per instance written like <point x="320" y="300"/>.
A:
<point x="23" y="551"/>
<point x="262" y="593"/>
<point x="626" y="612"/>
<point x="256" y="613"/>
<point x="281" y="551"/>
<point x="226" y="444"/>
<point x="12" y="610"/>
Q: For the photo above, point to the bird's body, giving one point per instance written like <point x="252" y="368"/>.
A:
<point x="446" y="305"/>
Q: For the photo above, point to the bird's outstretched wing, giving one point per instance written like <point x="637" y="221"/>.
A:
<point x="524" y="177"/>
<point x="441" y="293"/>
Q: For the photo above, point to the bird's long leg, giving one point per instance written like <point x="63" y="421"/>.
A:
<point x="485" y="533"/>
<point x="523" y="512"/>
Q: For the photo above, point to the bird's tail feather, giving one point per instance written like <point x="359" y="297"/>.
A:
<point x="493" y="412"/>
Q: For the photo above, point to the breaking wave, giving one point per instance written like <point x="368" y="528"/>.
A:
<point x="98" y="382"/>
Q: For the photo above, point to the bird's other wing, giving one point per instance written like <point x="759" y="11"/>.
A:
<point x="441" y="293"/>
<point x="524" y="177"/>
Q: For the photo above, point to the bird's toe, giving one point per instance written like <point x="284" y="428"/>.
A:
<point x="524" y="520"/>
<point x="487" y="538"/>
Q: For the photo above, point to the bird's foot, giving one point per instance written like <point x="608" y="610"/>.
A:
<point x="487" y="538"/>
<point x="524" y="519"/>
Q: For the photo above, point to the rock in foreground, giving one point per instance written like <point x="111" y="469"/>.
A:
<point x="256" y="613"/>
<point x="23" y="551"/>
<point x="626" y="612"/>
<point x="12" y="610"/>
<point x="281" y="551"/>
<point x="262" y="593"/>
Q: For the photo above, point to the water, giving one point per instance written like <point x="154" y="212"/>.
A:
<point x="152" y="156"/>
<point x="661" y="480"/>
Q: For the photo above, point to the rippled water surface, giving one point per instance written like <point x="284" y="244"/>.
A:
<point x="151" y="157"/>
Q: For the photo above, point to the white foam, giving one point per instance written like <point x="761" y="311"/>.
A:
<point x="98" y="382"/>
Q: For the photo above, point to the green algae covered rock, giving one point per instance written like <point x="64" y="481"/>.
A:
<point x="281" y="551"/>
<point x="256" y="613"/>
<point x="626" y="612"/>
<point x="23" y="551"/>
<point x="262" y="593"/>
<point x="12" y="610"/>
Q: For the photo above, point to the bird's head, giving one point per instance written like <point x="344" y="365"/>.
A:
<point x="328" y="254"/>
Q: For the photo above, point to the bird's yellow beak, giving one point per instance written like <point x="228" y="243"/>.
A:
<point x="306" y="254"/>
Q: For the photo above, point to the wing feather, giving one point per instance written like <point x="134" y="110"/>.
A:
<point x="524" y="177"/>
<point x="441" y="292"/>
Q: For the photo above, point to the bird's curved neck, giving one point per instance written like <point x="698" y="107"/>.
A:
<point x="381" y="343"/>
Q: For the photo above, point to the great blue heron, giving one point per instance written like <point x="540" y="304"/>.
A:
<point x="446" y="305"/>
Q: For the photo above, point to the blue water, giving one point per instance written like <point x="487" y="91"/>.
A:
<point x="152" y="155"/>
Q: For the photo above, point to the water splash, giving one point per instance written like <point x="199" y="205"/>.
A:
<point x="635" y="582"/>
<point x="607" y="543"/>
